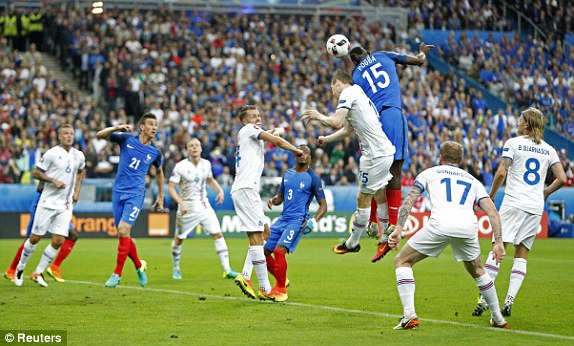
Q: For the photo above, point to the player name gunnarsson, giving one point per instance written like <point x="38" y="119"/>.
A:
<point x="459" y="174"/>
<point x="534" y="149"/>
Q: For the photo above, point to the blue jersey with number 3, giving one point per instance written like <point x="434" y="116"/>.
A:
<point x="377" y="75"/>
<point x="298" y="190"/>
<point x="135" y="160"/>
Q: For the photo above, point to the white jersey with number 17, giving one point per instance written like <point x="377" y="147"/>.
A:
<point x="249" y="159"/>
<point x="527" y="173"/>
<point x="452" y="193"/>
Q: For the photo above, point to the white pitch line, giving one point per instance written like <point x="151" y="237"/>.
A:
<point x="334" y="308"/>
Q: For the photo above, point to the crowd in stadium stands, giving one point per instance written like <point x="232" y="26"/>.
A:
<point x="193" y="70"/>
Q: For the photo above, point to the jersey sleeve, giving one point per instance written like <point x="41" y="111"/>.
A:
<point x="282" y="186"/>
<point x="253" y="131"/>
<point x="82" y="158"/>
<point x="508" y="150"/>
<point x="119" y="137"/>
<point x="553" y="157"/>
<point x="317" y="187"/>
<point x="421" y="181"/>
<point x="46" y="161"/>
<point x="175" y="175"/>
<point x="479" y="191"/>
<point x="397" y="58"/>
<point x="158" y="162"/>
<point x="347" y="98"/>
<point x="209" y="170"/>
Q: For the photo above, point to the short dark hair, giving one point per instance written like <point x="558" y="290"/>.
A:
<point x="243" y="111"/>
<point x="146" y="116"/>
<point x="357" y="54"/>
<point x="343" y="76"/>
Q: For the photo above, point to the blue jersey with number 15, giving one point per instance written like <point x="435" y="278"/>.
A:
<point x="377" y="75"/>
<point x="135" y="160"/>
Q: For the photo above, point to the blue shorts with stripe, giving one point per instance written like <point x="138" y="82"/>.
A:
<point x="126" y="206"/>
<point x="285" y="232"/>
<point x="395" y="127"/>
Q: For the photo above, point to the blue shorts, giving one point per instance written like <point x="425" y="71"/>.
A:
<point x="126" y="207"/>
<point x="395" y="127"/>
<point x="286" y="233"/>
<point x="33" y="214"/>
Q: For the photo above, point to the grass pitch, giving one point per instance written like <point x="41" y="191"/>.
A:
<point x="333" y="299"/>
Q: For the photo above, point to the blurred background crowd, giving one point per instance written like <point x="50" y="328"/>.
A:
<point x="194" y="70"/>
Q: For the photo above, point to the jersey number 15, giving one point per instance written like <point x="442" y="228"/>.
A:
<point x="374" y="75"/>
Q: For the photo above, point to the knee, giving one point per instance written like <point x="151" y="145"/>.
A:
<point x="57" y="242"/>
<point x="217" y="236"/>
<point x="400" y="261"/>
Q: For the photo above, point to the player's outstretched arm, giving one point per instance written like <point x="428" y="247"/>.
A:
<point x="334" y="137"/>
<point x="499" y="176"/>
<point x="215" y="186"/>
<point x="335" y="121"/>
<point x="497" y="247"/>
<point x="107" y="132"/>
<point x="560" y="180"/>
<point x="404" y="211"/>
<point x="421" y="57"/>
<point x="280" y="142"/>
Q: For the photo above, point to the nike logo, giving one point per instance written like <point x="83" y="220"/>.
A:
<point x="129" y="146"/>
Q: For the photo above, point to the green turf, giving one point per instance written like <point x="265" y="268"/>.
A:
<point x="333" y="300"/>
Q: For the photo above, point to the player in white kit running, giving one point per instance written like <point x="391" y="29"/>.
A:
<point x="61" y="169"/>
<point x="193" y="208"/>
<point x="249" y="161"/>
<point x="524" y="163"/>
<point x="356" y="112"/>
<point x="453" y="193"/>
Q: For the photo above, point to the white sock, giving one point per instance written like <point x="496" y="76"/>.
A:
<point x="491" y="266"/>
<point x="359" y="225"/>
<point x="26" y="254"/>
<point x="47" y="258"/>
<point x="260" y="264"/>
<point x="221" y="249"/>
<point x="383" y="213"/>
<point x="247" y="266"/>
<point x="516" y="278"/>
<point x="406" y="287"/>
<point x="175" y="253"/>
<point x="488" y="291"/>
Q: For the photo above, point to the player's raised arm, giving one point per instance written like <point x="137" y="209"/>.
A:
<point x="107" y="132"/>
<point x="280" y="142"/>
<point x="335" y="121"/>
<point x="421" y="57"/>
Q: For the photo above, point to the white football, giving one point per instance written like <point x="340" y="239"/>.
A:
<point x="338" y="46"/>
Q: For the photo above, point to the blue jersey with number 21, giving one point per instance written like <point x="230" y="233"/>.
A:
<point x="377" y="75"/>
<point x="135" y="160"/>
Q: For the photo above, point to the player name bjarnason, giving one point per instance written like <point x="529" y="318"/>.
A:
<point x="534" y="149"/>
<point x="365" y="62"/>
<point x="460" y="174"/>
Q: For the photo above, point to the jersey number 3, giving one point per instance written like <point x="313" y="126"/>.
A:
<point x="376" y="73"/>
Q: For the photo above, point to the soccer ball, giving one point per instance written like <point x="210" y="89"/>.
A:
<point x="338" y="46"/>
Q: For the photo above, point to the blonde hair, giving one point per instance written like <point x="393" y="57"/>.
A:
<point x="451" y="152"/>
<point x="535" y="121"/>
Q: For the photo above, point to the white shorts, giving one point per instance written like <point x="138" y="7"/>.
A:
<point x="55" y="221"/>
<point x="518" y="226"/>
<point x="374" y="174"/>
<point x="249" y="209"/>
<point x="432" y="244"/>
<point x="185" y="224"/>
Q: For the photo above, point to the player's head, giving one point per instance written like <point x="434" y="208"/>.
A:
<point x="357" y="54"/>
<point x="66" y="136"/>
<point x="193" y="148"/>
<point x="249" y="114"/>
<point x="451" y="152"/>
<point x="305" y="159"/>
<point x="531" y="123"/>
<point x="341" y="80"/>
<point x="148" y="125"/>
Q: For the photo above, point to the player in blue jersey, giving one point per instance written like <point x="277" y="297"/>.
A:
<point x="298" y="187"/>
<point x="54" y="269"/>
<point x="376" y="74"/>
<point x="137" y="154"/>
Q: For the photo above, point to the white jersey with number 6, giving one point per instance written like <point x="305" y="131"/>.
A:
<point x="452" y="193"/>
<point x="364" y="119"/>
<point x="527" y="173"/>
<point x="249" y="158"/>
